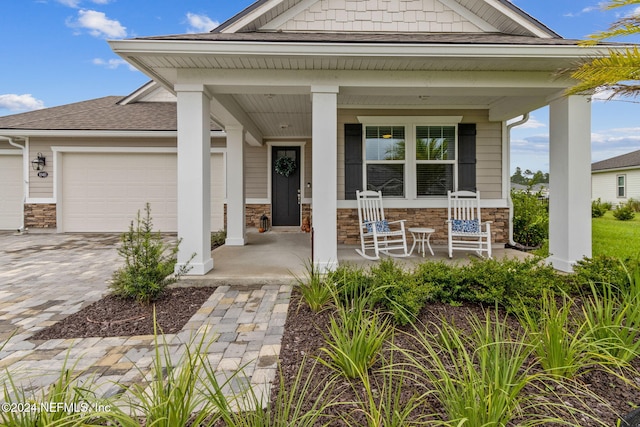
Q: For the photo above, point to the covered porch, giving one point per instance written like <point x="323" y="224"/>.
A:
<point x="280" y="255"/>
<point x="267" y="91"/>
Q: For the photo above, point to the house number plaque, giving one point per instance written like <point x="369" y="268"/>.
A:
<point x="43" y="174"/>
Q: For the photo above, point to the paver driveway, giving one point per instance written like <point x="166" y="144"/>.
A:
<point x="44" y="277"/>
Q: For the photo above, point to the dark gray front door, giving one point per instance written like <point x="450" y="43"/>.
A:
<point x="285" y="190"/>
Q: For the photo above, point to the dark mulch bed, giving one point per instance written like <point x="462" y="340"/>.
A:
<point x="114" y="316"/>
<point x="304" y="337"/>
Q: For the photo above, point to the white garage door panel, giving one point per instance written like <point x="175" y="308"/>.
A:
<point x="103" y="192"/>
<point x="11" y="192"/>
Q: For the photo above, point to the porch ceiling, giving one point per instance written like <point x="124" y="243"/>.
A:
<point x="280" y="115"/>
<point x="271" y="82"/>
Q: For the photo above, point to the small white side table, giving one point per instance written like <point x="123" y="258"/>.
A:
<point x="421" y="235"/>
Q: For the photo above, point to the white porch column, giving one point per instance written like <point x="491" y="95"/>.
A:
<point x="324" y="132"/>
<point x="570" y="181"/>
<point x="236" y="228"/>
<point x="194" y="170"/>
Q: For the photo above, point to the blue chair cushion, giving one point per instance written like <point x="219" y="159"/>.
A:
<point x="381" y="226"/>
<point x="465" y="226"/>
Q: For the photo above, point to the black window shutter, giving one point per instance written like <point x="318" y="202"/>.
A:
<point x="352" y="160"/>
<point x="467" y="156"/>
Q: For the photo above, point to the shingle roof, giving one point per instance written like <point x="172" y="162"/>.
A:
<point x="624" y="161"/>
<point x="104" y="114"/>
<point x="413" y="38"/>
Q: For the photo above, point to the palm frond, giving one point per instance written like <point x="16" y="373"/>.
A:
<point x="620" y="3"/>
<point x="618" y="73"/>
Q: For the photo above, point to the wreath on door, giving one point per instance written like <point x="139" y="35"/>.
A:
<point x="285" y="166"/>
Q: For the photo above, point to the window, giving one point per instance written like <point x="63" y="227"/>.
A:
<point x="621" y="185"/>
<point x="385" y="159"/>
<point x="435" y="159"/>
<point x="410" y="157"/>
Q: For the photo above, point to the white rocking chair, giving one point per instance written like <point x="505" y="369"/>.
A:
<point x="465" y="229"/>
<point x="376" y="232"/>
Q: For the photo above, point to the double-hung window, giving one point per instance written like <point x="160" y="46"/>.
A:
<point x="410" y="157"/>
<point x="385" y="155"/>
<point x="435" y="160"/>
<point x="621" y="185"/>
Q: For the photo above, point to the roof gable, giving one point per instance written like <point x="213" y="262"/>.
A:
<point x="417" y="16"/>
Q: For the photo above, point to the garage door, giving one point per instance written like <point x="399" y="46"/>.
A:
<point x="11" y="191"/>
<point x="102" y="192"/>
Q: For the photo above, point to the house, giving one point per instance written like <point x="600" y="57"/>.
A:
<point x="616" y="180"/>
<point x="408" y="96"/>
<point x="102" y="159"/>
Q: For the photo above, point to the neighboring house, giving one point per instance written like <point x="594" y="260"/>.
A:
<point x="542" y="189"/>
<point x="408" y="96"/>
<point x="616" y="180"/>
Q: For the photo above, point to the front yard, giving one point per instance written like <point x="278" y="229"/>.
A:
<point x="617" y="238"/>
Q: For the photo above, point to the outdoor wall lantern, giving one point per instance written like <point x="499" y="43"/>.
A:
<point x="39" y="162"/>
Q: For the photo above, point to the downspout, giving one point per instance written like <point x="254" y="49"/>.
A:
<point x="523" y="120"/>
<point x="25" y="178"/>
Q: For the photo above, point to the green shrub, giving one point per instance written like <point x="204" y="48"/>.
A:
<point x="444" y="282"/>
<point x="599" y="269"/>
<point x="634" y="204"/>
<point x="510" y="282"/>
<point x="149" y="262"/>
<point x="398" y="291"/>
<point x="598" y="209"/>
<point x="350" y="282"/>
<point x="530" y="218"/>
<point x="624" y="212"/>
<point x="218" y="238"/>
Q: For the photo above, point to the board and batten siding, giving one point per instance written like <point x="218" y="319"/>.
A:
<point x="604" y="186"/>
<point x="488" y="144"/>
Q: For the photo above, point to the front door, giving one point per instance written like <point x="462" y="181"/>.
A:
<point x="285" y="191"/>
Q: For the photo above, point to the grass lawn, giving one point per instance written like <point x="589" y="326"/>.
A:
<point x="616" y="238"/>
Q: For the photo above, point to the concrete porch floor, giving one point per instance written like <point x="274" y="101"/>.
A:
<point x="278" y="256"/>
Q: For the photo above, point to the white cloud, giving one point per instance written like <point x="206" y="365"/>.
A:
<point x="200" y="23"/>
<point x="70" y="3"/>
<point x="98" y="24"/>
<point x="16" y="103"/>
<point x="584" y="10"/>
<point x="614" y="142"/>
<point x="112" y="64"/>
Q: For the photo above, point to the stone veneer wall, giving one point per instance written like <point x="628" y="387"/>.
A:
<point x="254" y="212"/>
<point x="349" y="234"/>
<point x="40" y="215"/>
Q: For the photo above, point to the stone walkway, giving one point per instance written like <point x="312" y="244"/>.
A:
<point x="44" y="277"/>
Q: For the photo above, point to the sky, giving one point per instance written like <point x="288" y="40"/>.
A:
<point x="55" y="52"/>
